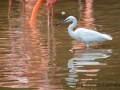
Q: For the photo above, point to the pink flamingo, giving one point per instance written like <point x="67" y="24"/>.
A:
<point x="37" y="6"/>
<point x="35" y="9"/>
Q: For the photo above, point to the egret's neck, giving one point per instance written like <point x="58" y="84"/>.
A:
<point x="71" y="26"/>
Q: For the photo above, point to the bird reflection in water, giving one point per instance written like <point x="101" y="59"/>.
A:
<point x="81" y="61"/>
<point x="84" y="58"/>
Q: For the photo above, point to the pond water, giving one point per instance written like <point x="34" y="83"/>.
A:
<point x="39" y="57"/>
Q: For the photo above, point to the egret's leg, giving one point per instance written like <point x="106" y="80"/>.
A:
<point x="87" y="45"/>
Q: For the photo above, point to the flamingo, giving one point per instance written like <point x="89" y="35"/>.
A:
<point x="37" y="6"/>
<point x="35" y="9"/>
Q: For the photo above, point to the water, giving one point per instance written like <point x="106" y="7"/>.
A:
<point x="40" y="57"/>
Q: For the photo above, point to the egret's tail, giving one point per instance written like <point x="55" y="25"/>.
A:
<point x="108" y="37"/>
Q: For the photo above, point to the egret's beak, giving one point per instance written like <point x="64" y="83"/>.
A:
<point x="62" y="22"/>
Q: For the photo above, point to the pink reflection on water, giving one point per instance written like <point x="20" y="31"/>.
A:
<point x="86" y="20"/>
<point x="10" y="5"/>
<point x="27" y="66"/>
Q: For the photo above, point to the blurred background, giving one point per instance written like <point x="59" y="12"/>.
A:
<point x="38" y="56"/>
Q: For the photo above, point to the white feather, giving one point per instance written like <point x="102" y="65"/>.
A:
<point x="86" y="36"/>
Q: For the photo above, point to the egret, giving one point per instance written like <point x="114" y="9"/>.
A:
<point x="86" y="36"/>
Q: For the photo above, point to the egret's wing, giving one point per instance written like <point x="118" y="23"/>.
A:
<point x="89" y="36"/>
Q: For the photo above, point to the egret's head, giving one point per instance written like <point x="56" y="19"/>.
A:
<point x="68" y="19"/>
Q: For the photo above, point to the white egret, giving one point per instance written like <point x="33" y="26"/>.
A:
<point x="86" y="36"/>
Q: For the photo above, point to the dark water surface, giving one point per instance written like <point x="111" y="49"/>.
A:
<point x="40" y="57"/>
